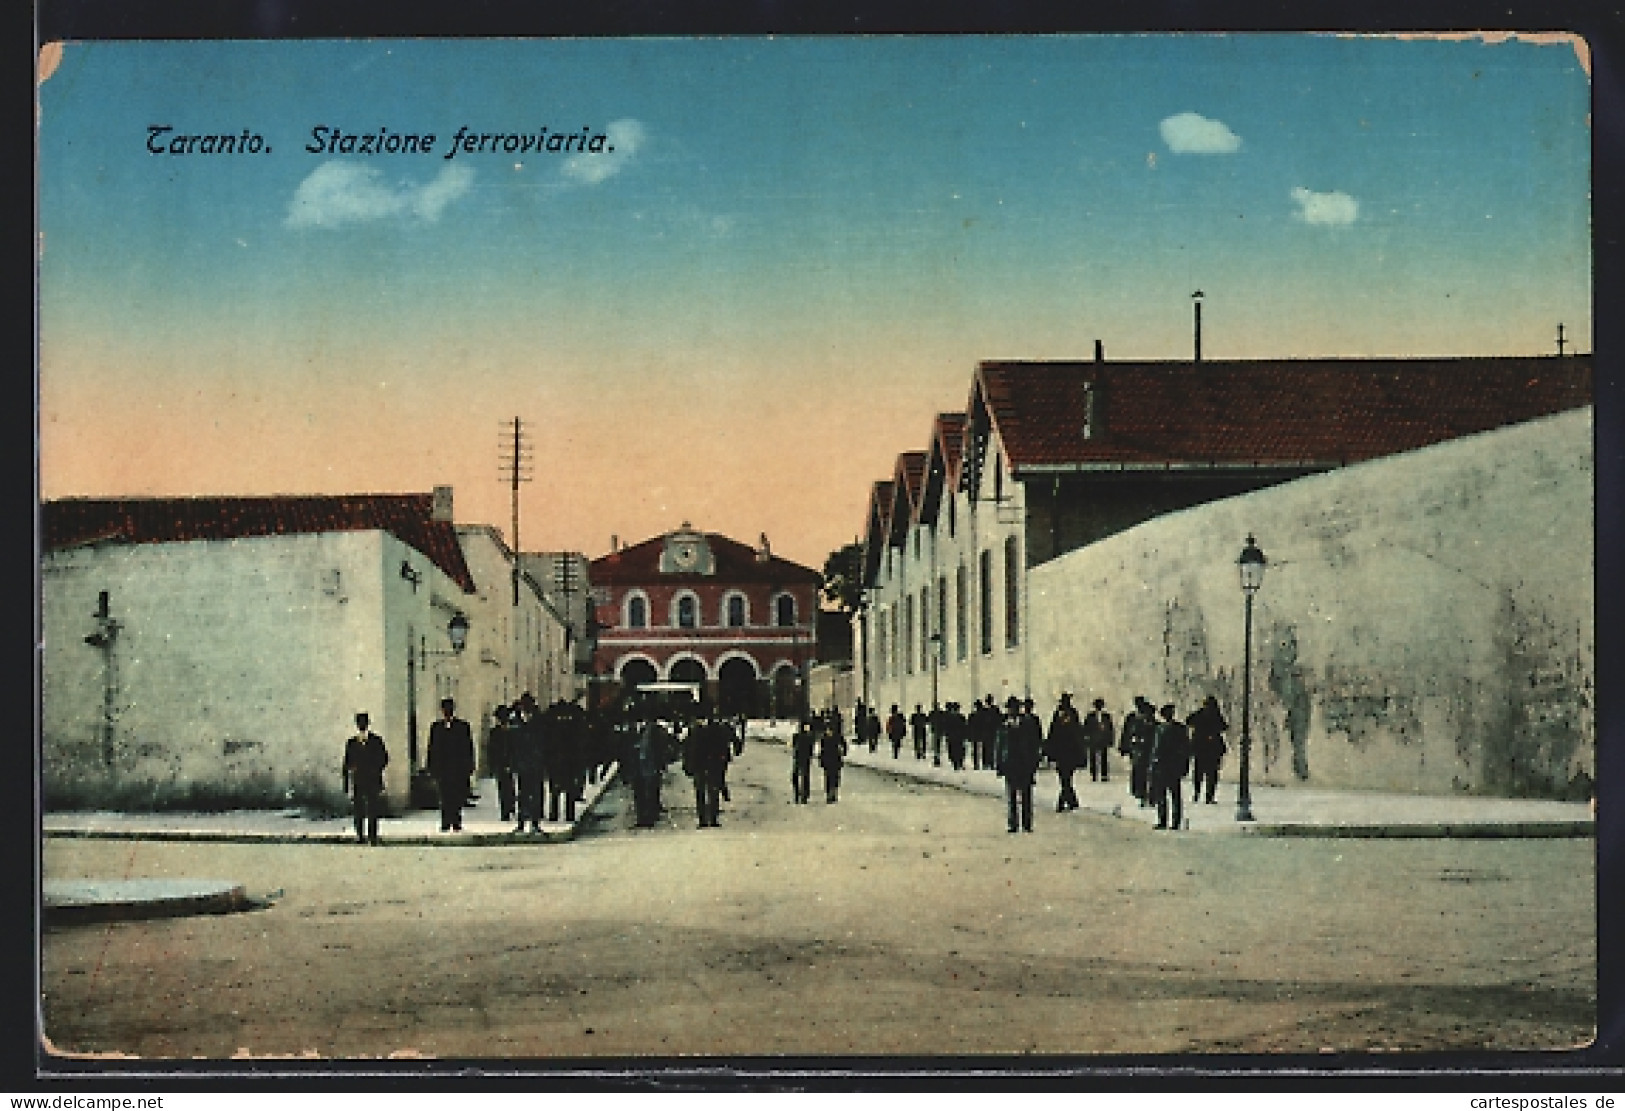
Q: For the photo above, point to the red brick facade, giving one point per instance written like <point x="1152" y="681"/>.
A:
<point x="699" y="607"/>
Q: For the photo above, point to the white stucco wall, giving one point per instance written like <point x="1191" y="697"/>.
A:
<point x="239" y="666"/>
<point x="1426" y="623"/>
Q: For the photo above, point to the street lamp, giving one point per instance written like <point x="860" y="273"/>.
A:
<point x="456" y="632"/>
<point x="1251" y="565"/>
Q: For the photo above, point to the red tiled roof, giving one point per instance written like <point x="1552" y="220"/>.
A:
<point x="1265" y="412"/>
<point x="74" y="521"/>
<point x="942" y="462"/>
<point x="734" y="563"/>
<point x="876" y="528"/>
<point x="908" y="483"/>
<point x="949" y="435"/>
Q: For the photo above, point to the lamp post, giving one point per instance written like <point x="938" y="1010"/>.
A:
<point x="457" y="632"/>
<point x="1251" y="565"/>
<point x="936" y="665"/>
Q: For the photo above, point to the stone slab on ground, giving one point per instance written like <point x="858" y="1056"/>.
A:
<point x="68" y="901"/>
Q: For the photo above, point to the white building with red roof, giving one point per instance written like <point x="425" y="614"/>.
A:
<point x="1057" y="457"/>
<point x="215" y="650"/>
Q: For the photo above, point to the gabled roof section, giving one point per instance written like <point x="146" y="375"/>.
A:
<point x="639" y="563"/>
<point x="941" y="464"/>
<point x="876" y="529"/>
<point x="1267" y="412"/>
<point x="71" y="522"/>
<point x="908" y="482"/>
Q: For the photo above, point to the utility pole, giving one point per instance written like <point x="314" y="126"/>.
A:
<point x="516" y="460"/>
<point x="1561" y="342"/>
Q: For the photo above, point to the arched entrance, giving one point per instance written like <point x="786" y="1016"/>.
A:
<point x="688" y="670"/>
<point x="786" y="692"/>
<point x="736" y="687"/>
<point x="635" y="672"/>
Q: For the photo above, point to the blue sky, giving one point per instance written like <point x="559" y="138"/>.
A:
<point x="796" y="254"/>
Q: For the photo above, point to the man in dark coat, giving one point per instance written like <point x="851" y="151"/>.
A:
<point x="1098" y="734"/>
<point x="801" y="758"/>
<point x="896" y="730"/>
<point x="1170" y="761"/>
<point x="1064" y="746"/>
<point x="958" y="729"/>
<point x="649" y="766"/>
<point x="529" y="761"/>
<point x="1015" y="758"/>
<point x="832" y="755"/>
<point x="562" y="743"/>
<point x="451" y="762"/>
<point x="1139" y="730"/>
<point x="1207" y="726"/>
<point x="365" y="759"/>
<point x="499" y="758"/>
<point x="706" y="751"/>
<point x="917" y="723"/>
<point x="984" y="727"/>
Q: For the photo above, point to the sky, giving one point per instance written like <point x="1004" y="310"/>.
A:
<point x="776" y="261"/>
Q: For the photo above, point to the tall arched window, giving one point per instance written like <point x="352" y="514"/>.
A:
<point x="1012" y="592"/>
<point x="637" y="612"/>
<point x="785" y="610"/>
<point x="688" y="615"/>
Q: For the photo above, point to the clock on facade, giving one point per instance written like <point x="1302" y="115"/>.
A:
<point x="686" y="556"/>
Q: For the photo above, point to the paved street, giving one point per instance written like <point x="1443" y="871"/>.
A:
<point x="902" y="920"/>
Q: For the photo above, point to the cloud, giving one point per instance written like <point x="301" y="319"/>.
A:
<point x="625" y="137"/>
<point x="339" y="192"/>
<point x="1335" y="209"/>
<point x="1188" y="133"/>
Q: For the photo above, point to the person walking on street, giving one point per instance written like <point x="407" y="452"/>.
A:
<point x="896" y="730"/>
<point x="365" y="759"/>
<point x="451" y="762"/>
<point x="1139" y="729"/>
<point x="706" y="751"/>
<point x="1207" y="726"/>
<point x="1064" y="747"/>
<point x="651" y="747"/>
<point x="984" y="724"/>
<point x="801" y="758"/>
<point x="832" y="754"/>
<point x="529" y="762"/>
<point x="1015" y="759"/>
<point x="958" y="727"/>
<point x="1170" y="761"/>
<point x="873" y="729"/>
<point x="917" y="723"/>
<point x="499" y="758"/>
<point x="1097" y="741"/>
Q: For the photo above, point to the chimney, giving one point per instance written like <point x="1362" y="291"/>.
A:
<point x="1100" y="352"/>
<point x="1196" y="301"/>
<point x="441" y="509"/>
<point x="764" y="552"/>
<point x="614" y="542"/>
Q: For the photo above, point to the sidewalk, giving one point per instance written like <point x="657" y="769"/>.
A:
<point x="1277" y="811"/>
<point x="482" y="824"/>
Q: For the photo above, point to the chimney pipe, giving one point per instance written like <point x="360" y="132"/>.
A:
<point x="1100" y="352"/>
<point x="440" y="509"/>
<point x="1196" y="301"/>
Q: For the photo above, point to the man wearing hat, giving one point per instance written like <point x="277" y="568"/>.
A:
<point x="1065" y="749"/>
<point x="365" y="759"/>
<point x="1015" y="757"/>
<point x="1097" y="740"/>
<point x="1170" y="761"/>
<point x="499" y="758"/>
<point x="451" y="762"/>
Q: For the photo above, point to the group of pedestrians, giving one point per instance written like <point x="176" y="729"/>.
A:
<point x="1161" y="749"/>
<point x="822" y="733"/>
<point x="543" y="759"/>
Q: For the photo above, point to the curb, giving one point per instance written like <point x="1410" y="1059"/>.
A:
<point x="67" y="903"/>
<point x="558" y="834"/>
